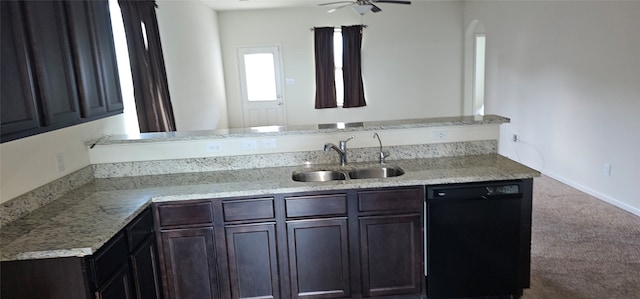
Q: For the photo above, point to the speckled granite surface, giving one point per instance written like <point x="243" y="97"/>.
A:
<point x="404" y="152"/>
<point x="304" y="129"/>
<point x="30" y="201"/>
<point x="80" y="222"/>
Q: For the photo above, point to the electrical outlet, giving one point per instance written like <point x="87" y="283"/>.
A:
<point x="268" y="143"/>
<point x="440" y="134"/>
<point x="248" y="145"/>
<point x="60" y="162"/>
<point x="214" y="147"/>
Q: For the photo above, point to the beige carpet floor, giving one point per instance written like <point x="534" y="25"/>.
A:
<point x="582" y="247"/>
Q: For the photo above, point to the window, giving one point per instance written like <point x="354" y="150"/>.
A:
<point x="260" y="76"/>
<point x="333" y="80"/>
<point x="337" y="54"/>
<point x="479" y="72"/>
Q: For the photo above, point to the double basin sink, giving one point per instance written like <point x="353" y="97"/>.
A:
<point x="338" y="175"/>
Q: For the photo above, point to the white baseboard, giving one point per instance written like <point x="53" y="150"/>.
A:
<point x="596" y="194"/>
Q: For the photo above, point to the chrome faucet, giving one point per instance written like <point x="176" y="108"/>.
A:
<point x="382" y="154"/>
<point x="342" y="150"/>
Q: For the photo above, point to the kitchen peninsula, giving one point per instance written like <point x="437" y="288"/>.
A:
<point x="80" y="223"/>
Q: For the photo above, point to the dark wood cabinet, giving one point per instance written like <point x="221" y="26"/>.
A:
<point x="145" y="271"/>
<point x="18" y="97"/>
<point x="251" y="247"/>
<point x="118" y="286"/>
<point x="391" y="274"/>
<point x="318" y="245"/>
<point x="253" y="261"/>
<point x="58" y="66"/>
<point x="106" y="53"/>
<point x="187" y="246"/>
<point x="190" y="265"/>
<point x="391" y="222"/>
<point x="339" y="244"/>
<point x="319" y="258"/>
<point x="52" y="62"/>
<point x="143" y="257"/>
<point x="123" y="268"/>
<point x="94" y="57"/>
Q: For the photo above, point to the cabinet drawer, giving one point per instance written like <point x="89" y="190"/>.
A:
<point x="139" y="229"/>
<point x="185" y="214"/>
<point x="248" y="209"/>
<point x="391" y="200"/>
<point x="110" y="258"/>
<point x="333" y="204"/>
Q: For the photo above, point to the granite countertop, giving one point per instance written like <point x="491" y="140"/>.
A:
<point x="301" y="129"/>
<point x="83" y="220"/>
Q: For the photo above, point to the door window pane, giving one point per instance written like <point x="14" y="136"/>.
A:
<point x="260" y="76"/>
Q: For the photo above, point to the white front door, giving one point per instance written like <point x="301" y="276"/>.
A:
<point x="261" y="84"/>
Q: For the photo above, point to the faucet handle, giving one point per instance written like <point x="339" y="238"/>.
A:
<point x="343" y="143"/>
<point x="383" y="155"/>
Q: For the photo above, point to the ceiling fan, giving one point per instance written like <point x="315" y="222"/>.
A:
<point x="362" y="6"/>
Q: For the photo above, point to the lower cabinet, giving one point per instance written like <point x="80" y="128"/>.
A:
<point x="319" y="258"/>
<point x="253" y="261"/>
<point x="390" y="274"/>
<point x="125" y="267"/>
<point x="331" y="244"/>
<point x="118" y="287"/>
<point x="391" y="222"/>
<point x="190" y="267"/>
<point x="145" y="270"/>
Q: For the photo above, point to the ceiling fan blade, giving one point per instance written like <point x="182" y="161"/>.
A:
<point x="392" y="1"/>
<point x="337" y="2"/>
<point x="339" y="7"/>
<point x="375" y="8"/>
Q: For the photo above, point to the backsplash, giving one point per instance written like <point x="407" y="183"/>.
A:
<point x="32" y="200"/>
<point x="139" y="168"/>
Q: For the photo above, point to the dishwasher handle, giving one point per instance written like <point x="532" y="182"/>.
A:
<point x="501" y="196"/>
<point x="440" y="196"/>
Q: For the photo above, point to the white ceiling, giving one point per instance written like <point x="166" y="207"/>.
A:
<point x="258" y="4"/>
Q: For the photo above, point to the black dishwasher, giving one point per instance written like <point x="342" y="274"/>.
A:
<point x="478" y="239"/>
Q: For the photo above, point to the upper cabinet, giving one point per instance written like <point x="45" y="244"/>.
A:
<point x="58" y="66"/>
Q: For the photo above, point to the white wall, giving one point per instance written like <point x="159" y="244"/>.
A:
<point x="411" y="59"/>
<point x="567" y="73"/>
<point x="191" y="46"/>
<point x="29" y="163"/>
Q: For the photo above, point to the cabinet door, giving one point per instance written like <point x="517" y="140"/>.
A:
<point x="190" y="263"/>
<point x="53" y="63"/>
<point x="94" y="57"/>
<point x="106" y="55"/>
<point x="85" y="50"/>
<point x="319" y="258"/>
<point x="19" y="109"/>
<point x="391" y="253"/>
<point x="118" y="287"/>
<point x="253" y="261"/>
<point x="144" y="267"/>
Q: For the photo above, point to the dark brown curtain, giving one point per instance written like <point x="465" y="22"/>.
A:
<point x="155" y="113"/>
<point x="351" y="66"/>
<point x="325" y="68"/>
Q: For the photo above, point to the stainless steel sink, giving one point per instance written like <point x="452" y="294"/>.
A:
<point x="318" y="176"/>
<point x="376" y="172"/>
<point x="335" y="175"/>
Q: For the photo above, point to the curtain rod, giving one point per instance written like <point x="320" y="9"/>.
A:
<point x="338" y="27"/>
